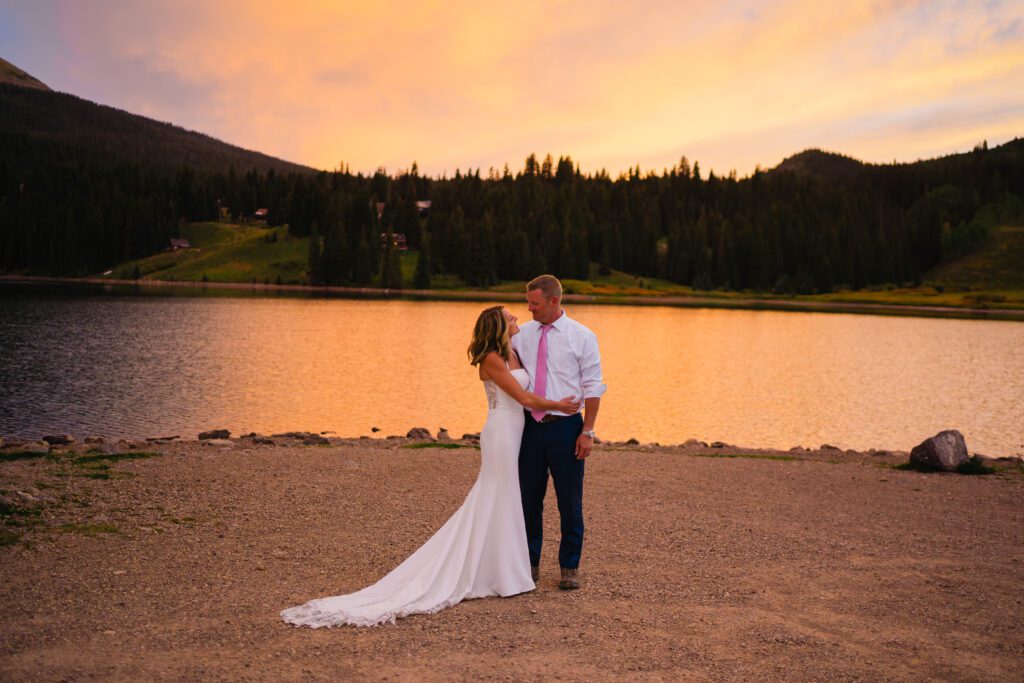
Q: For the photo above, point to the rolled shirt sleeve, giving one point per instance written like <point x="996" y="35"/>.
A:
<point x="591" y="377"/>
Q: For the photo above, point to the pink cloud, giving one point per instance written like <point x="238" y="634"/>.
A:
<point x="458" y="83"/>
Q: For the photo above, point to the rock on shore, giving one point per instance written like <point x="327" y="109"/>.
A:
<point x="945" y="451"/>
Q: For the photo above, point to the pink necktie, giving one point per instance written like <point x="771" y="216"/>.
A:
<point x="540" y="382"/>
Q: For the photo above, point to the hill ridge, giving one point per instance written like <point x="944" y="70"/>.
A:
<point x="9" y="73"/>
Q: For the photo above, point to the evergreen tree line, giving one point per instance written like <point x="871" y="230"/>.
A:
<point x="817" y="222"/>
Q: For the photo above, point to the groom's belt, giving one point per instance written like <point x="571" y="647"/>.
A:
<point x="548" y="417"/>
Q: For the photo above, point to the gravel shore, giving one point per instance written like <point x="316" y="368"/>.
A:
<point x="699" y="563"/>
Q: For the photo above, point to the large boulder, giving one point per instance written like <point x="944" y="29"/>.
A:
<point x="420" y="433"/>
<point x="214" y="434"/>
<point x="59" y="439"/>
<point x="945" y="451"/>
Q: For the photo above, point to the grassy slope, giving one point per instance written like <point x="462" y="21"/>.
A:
<point x="1000" y="265"/>
<point x="227" y="253"/>
<point x="992" y="276"/>
<point x="9" y="73"/>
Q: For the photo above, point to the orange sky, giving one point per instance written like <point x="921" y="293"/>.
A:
<point x="460" y="84"/>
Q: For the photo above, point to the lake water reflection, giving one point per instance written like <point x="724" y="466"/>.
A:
<point x="149" y="365"/>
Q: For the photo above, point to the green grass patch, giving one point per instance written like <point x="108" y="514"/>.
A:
<point x="114" y="457"/>
<point x="408" y="260"/>
<point x="973" y="466"/>
<point x="9" y="512"/>
<point x="226" y="252"/>
<point x="8" y="537"/>
<point x="999" y="265"/>
<point x="89" y="529"/>
<point x="437" y="444"/>
<point x="187" y="521"/>
<point x="11" y="456"/>
<point x="753" y="456"/>
<point x="98" y="465"/>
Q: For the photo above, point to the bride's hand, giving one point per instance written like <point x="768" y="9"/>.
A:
<point x="568" y="405"/>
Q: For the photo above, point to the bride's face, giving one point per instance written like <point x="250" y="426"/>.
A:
<point x="513" y="322"/>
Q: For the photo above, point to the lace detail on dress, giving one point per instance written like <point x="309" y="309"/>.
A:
<point x="498" y="398"/>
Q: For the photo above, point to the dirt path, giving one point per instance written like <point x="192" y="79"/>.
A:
<point x="828" y="566"/>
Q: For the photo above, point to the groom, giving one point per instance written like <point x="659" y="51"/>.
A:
<point x="562" y="359"/>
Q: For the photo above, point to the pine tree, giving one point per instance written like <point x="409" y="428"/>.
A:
<point x="423" y="278"/>
<point x="362" y="273"/>
<point x="316" y="272"/>
<point x="391" y="271"/>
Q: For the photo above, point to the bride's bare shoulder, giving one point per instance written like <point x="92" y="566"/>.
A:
<point x="492" y="359"/>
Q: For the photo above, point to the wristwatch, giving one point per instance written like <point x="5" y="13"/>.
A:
<point x="590" y="432"/>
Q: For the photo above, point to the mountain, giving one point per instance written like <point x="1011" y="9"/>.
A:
<point x="12" y="74"/>
<point x="85" y="187"/>
<point x="825" y="165"/>
<point x="36" y="120"/>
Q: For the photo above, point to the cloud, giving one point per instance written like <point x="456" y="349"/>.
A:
<point x="460" y="84"/>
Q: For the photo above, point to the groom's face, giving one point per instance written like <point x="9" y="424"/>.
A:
<point x="542" y="308"/>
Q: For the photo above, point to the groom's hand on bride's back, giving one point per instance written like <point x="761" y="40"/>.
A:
<point x="569" y="405"/>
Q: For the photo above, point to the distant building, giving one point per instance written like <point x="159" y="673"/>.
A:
<point x="397" y="241"/>
<point x="423" y="206"/>
<point x="177" y="243"/>
<point x="260" y="215"/>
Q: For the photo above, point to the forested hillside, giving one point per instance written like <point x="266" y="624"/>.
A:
<point x="83" y="187"/>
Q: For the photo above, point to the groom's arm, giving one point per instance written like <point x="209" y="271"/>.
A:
<point x="590" y="408"/>
<point x="584" y="443"/>
<point x="592" y="380"/>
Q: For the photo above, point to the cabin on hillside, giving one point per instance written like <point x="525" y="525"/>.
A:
<point x="260" y="215"/>
<point x="397" y="241"/>
<point x="178" y="243"/>
<point x="423" y="206"/>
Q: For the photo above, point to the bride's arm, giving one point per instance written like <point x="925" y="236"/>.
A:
<point x="496" y="370"/>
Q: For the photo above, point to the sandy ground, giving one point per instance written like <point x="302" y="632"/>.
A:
<point x="830" y="566"/>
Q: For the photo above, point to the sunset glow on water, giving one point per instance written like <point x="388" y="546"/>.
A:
<point x="150" y="366"/>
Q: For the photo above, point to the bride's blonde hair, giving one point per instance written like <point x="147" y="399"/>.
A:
<point x="489" y="334"/>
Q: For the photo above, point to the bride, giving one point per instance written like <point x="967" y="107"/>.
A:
<point x="481" y="550"/>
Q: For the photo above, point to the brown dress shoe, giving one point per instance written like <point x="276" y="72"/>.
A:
<point x="570" y="579"/>
<point x="535" y="573"/>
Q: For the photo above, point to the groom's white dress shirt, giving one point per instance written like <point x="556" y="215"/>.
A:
<point x="574" y="363"/>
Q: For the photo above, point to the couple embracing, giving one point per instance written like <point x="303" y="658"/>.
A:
<point x="491" y="546"/>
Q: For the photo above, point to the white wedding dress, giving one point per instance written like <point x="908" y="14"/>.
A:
<point x="479" y="552"/>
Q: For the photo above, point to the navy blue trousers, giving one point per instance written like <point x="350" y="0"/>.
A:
<point x="550" y="447"/>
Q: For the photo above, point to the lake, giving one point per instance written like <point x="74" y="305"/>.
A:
<point x="122" y="364"/>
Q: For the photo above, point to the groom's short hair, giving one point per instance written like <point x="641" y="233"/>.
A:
<point x="547" y="284"/>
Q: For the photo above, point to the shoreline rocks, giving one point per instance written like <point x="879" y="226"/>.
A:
<point x="946" y="451"/>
